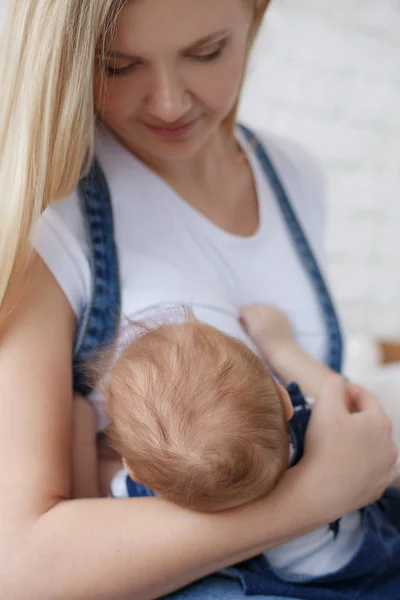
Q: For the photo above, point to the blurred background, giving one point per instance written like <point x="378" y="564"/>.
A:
<point x="327" y="73"/>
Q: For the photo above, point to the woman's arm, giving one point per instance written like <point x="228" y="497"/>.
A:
<point x="52" y="547"/>
<point x="85" y="471"/>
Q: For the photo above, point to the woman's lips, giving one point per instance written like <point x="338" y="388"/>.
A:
<point x="172" y="131"/>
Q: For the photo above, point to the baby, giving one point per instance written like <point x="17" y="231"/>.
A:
<point x="197" y="417"/>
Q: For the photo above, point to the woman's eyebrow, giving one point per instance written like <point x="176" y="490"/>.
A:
<point x="208" y="39"/>
<point x="117" y="54"/>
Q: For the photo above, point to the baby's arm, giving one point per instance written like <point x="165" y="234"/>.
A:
<point x="270" y="329"/>
<point x="85" y="481"/>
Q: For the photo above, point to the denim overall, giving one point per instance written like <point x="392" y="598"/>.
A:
<point x="374" y="573"/>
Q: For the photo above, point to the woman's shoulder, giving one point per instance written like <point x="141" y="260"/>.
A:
<point x="59" y="238"/>
<point x="67" y="211"/>
<point x="65" y="219"/>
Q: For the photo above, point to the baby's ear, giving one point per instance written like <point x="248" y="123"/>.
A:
<point x="286" y="402"/>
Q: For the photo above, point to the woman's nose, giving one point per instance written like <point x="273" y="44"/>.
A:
<point x="168" y="100"/>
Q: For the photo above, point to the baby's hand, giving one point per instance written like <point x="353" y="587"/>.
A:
<point x="266" y="325"/>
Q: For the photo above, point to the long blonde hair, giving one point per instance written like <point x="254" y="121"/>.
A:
<point x="47" y="115"/>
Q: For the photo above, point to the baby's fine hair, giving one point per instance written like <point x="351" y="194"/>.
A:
<point x="197" y="417"/>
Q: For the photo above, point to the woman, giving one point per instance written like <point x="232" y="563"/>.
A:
<point x="166" y="76"/>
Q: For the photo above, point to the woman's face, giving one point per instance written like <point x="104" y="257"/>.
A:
<point x="173" y="73"/>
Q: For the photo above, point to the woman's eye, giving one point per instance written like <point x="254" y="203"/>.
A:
<point x="209" y="57"/>
<point x="116" y="71"/>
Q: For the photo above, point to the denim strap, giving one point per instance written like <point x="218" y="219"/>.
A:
<point x="100" y="321"/>
<point x="333" y="332"/>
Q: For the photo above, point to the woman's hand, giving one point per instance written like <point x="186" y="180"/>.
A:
<point x="350" y="456"/>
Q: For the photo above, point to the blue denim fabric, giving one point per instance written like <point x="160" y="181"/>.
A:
<point x="99" y="324"/>
<point x="215" y="587"/>
<point x="372" y="574"/>
<point x="334" y="349"/>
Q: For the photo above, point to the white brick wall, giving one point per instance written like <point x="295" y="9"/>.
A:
<point x="327" y="73"/>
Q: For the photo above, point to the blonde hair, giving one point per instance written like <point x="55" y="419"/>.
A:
<point x="259" y="10"/>
<point x="47" y="115"/>
<point x="197" y="417"/>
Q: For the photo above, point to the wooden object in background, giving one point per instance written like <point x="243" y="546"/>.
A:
<point x="390" y="352"/>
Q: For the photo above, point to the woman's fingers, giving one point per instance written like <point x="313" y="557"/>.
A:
<point x="362" y="401"/>
<point x="349" y="443"/>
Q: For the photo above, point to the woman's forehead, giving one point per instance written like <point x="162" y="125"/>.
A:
<point x="175" y="24"/>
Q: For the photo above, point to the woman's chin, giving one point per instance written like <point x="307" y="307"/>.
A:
<point x="164" y="146"/>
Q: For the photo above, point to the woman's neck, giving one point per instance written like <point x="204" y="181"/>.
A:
<point x="217" y="182"/>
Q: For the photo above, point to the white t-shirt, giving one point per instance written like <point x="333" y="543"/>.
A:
<point x="168" y="251"/>
<point x="170" y="254"/>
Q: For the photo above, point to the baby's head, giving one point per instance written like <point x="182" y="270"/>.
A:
<point x="197" y="417"/>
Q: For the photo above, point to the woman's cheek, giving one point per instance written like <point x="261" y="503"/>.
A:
<point x="221" y="93"/>
<point x="118" y="97"/>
